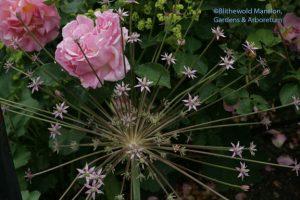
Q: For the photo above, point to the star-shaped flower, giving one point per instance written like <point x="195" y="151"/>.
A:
<point x="86" y="173"/>
<point x="250" y="47"/>
<point x="144" y="84"/>
<point x="134" y="37"/>
<point x="8" y="65"/>
<point x="236" y="149"/>
<point x="190" y="73"/>
<point x="122" y="13"/>
<point x="35" y="84"/>
<point x="122" y="89"/>
<point x="60" y="109"/>
<point x="54" y="130"/>
<point x="227" y="62"/>
<point x="168" y="58"/>
<point x="93" y="189"/>
<point x="252" y="148"/>
<point x="218" y="32"/>
<point x="243" y="170"/>
<point x="192" y="102"/>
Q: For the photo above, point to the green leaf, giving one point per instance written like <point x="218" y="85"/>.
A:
<point x="207" y="91"/>
<point x="259" y="102"/>
<point x="154" y="72"/>
<point x="191" y="61"/>
<point x="287" y="91"/>
<point x="111" y="192"/>
<point x="148" y="42"/>
<point x="35" y="195"/>
<point x="263" y="36"/>
<point x="21" y="156"/>
<point x="192" y="44"/>
<point x="48" y="73"/>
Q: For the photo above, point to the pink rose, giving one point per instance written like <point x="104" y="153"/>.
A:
<point x="101" y="44"/>
<point x="42" y="20"/>
<point x="290" y="30"/>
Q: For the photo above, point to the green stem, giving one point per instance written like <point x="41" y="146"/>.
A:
<point x="136" y="190"/>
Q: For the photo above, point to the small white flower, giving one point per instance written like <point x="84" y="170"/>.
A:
<point x="168" y="58"/>
<point x="60" y="109"/>
<point x="93" y="189"/>
<point x="35" y="84"/>
<point x="8" y="65"/>
<point x="236" y="149"/>
<point x="243" y="170"/>
<point x="144" y="84"/>
<point x="296" y="167"/>
<point x="134" y="37"/>
<point x="266" y="121"/>
<point x="86" y="173"/>
<point x="189" y="72"/>
<point x="122" y="13"/>
<point x="192" y="102"/>
<point x="54" y="130"/>
<point x="296" y="102"/>
<point x="35" y="57"/>
<point x="128" y="119"/>
<point x="15" y="42"/>
<point x="227" y="62"/>
<point x="252" y="148"/>
<point x="218" y="32"/>
<point x="250" y="47"/>
<point x="122" y="89"/>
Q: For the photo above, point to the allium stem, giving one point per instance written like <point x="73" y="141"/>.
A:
<point x="135" y="182"/>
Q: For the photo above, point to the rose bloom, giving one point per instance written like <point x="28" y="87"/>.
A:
<point x="102" y="45"/>
<point x="290" y="30"/>
<point x="41" y="19"/>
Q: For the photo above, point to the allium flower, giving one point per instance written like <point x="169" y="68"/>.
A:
<point x="168" y="58"/>
<point x="252" y="148"/>
<point x="227" y="62"/>
<point x="134" y="37"/>
<point x="122" y="13"/>
<point x="144" y="84"/>
<point x="35" y="84"/>
<point x="122" y="89"/>
<point x="245" y="188"/>
<point x="192" y="102"/>
<point x="60" y="109"/>
<point x="93" y="53"/>
<point x="250" y="47"/>
<point x="190" y="73"/>
<point x="28" y="175"/>
<point x="266" y="121"/>
<point x="54" y="130"/>
<point x="236" y="149"/>
<point x="218" y="32"/>
<point x="41" y="19"/>
<point x="86" y="172"/>
<point x="93" y="189"/>
<point x="243" y="171"/>
<point x="8" y="65"/>
<point x="296" y="167"/>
